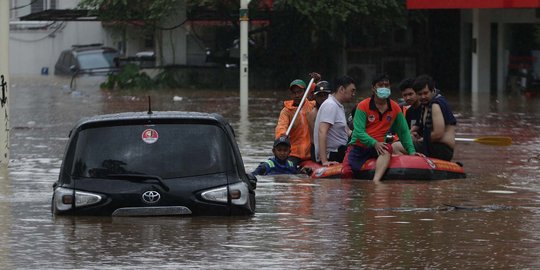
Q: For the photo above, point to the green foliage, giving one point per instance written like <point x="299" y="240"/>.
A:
<point x="129" y="77"/>
<point x="144" y="13"/>
<point x="302" y="36"/>
<point x="168" y="78"/>
<point x="337" y="16"/>
<point x="115" y="10"/>
<point x="306" y="35"/>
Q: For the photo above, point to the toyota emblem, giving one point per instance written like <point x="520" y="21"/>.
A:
<point x="151" y="197"/>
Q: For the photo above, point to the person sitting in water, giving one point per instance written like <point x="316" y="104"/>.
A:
<point x="279" y="164"/>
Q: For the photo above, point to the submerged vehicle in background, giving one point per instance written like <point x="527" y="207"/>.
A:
<point x="153" y="164"/>
<point x="91" y="59"/>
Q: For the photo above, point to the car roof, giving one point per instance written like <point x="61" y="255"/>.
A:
<point x="89" y="48"/>
<point x="156" y="115"/>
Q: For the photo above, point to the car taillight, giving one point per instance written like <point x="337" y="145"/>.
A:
<point x="238" y="194"/>
<point x="65" y="198"/>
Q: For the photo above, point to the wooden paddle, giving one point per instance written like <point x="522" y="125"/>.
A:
<point x="489" y="140"/>
<point x="300" y="106"/>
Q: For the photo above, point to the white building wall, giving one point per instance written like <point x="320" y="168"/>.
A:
<point x="481" y="51"/>
<point x="33" y="50"/>
<point x="479" y="79"/>
<point x="174" y="42"/>
<point x="34" y="46"/>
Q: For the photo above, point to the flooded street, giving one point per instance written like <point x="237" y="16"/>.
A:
<point x="491" y="219"/>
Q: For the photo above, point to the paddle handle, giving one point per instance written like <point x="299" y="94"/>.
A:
<point x="299" y="106"/>
<point x="464" y="140"/>
<point x="489" y="140"/>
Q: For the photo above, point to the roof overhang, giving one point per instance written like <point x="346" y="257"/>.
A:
<point x="469" y="4"/>
<point x="205" y="17"/>
<point x="60" y="15"/>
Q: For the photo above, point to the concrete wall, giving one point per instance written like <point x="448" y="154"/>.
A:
<point x="33" y="47"/>
<point x="477" y="60"/>
<point x="32" y="50"/>
<point x="174" y="42"/>
<point x="505" y="15"/>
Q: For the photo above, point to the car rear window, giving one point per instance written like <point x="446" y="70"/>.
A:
<point x="165" y="150"/>
<point x="97" y="59"/>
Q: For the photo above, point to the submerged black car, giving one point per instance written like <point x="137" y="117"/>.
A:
<point x="153" y="164"/>
<point x="91" y="59"/>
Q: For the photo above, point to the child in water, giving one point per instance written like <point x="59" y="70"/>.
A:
<point x="279" y="164"/>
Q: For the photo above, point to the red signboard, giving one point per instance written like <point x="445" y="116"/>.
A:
<point x="465" y="4"/>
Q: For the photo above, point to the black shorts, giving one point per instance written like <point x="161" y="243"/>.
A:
<point x="339" y="155"/>
<point x="436" y="150"/>
<point x="332" y="156"/>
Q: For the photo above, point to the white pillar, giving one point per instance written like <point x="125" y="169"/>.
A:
<point x="244" y="59"/>
<point x="465" y="56"/>
<point x="501" y="59"/>
<point x="5" y="191"/>
<point x="481" y="51"/>
<point x="244" y="72"/>
<point x="4" y="82"/>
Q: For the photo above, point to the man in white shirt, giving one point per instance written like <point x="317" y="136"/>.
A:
<point x="331" y="133"/>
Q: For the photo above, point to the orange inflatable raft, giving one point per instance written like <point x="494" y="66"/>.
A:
<point x="402" y="167"/>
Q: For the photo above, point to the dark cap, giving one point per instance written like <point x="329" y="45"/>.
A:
<point x="282" y="140"/>
<point x="322" y="87"/>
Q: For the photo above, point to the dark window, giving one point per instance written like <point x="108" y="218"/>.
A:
<point x="96" y="59"/>
<point x="70" y="61"/>
<point x="41" y="5"/>
<point x="37" y="6"/>
<point x="149" y="41"/>
<point x="61" y="59"/>
<point x="180" y="150"/>
<point x="67" y="61"/>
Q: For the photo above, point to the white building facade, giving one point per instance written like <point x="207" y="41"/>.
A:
<point x="34" y="46"/>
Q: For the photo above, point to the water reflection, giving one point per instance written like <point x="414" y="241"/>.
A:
<point x="243" y="125"/>
<point x="5" y="212"/>
<point x="300" y="222"/>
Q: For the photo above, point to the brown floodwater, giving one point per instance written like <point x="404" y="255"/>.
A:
<point x="490" y="220"/>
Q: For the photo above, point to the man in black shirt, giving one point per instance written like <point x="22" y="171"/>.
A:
<point x="411" y="108"/>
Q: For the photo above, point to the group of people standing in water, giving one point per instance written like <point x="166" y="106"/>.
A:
<point x="377" y="127"/>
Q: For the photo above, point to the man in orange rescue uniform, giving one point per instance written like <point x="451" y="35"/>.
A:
<point x="299" y="134"/>
<point x="373" y="119"/>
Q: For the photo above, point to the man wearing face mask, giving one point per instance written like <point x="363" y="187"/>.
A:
<point x="374" y="117"/>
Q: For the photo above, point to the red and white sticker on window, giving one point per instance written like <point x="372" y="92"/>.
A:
<point x="150" y="136"/>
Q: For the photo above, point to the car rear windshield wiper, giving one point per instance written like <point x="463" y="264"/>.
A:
<point x="142" y="177"/>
